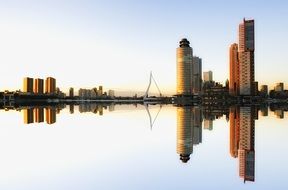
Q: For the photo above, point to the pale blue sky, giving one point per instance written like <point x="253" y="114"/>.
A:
<point x="117" y="43"/>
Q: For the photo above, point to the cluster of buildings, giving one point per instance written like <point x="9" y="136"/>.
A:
<point x="36" y="86"/>
<point x="242" y="69"/>
<point x="93" y="93"/>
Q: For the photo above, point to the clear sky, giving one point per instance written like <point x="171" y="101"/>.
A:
<point x="117" y="43"/>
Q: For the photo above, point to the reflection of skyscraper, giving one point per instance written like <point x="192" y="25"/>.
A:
<point x="234" y="70"/>
<point x="28" y="115"/>
<point x="184" y="68"/>
<point x="246" y="144"/>
<point x="234" y="131"/>
<point x="71" y="108"/>
<point x="184" y="133"/>
<point x="197" y="125"/>
<point x="39" y="115"/>
<point x="50" y="115"/>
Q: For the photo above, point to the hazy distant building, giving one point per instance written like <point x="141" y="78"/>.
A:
<point x="196" y="75"/>
<point x="28" y="115"/>
<point x="184" y="68"/>
<point x="111" y="93"/>
<point x="264" y="90"/>
<point x="28" y="85"/>
<point x="234" y="70"/>
<point x="38" y="86"/>
<point x="208" y="124"/>
<point x="279" y="87"/>
<point x="184" y="133"/>
<point x="208" y="76"/>
<point x="50" y="115"/>
<point x="100" y="91"/>
<point x="39" y="115"/>
<point x="71" y="92"/>
<point x="50" y="85"/>
<point x="246" y="57"/>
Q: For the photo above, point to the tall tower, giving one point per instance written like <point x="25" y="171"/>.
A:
<point x="196" y="75"/>
<point x="234" y="70"/>
<point x="184" y="68"/>
<point x="246" y="57"/>
<point x="50" y="85"/>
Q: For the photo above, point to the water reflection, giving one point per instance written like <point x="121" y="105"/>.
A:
<point x="189" y="126"/>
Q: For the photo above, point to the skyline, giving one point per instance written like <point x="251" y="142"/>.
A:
<point x="130" y="37"/>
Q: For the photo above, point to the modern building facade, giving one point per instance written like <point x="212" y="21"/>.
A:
<point x="71" y="92"/>
<point x="50" y="85"/>
<point x="208" y="76"/>
<point x="234" y="70"/>
<point x="38" y="86"/>
<point x="184" y="68"/>
<point x="246" y="58"/>
<point x="28" y="85"/>
<point x="196" y="75"/>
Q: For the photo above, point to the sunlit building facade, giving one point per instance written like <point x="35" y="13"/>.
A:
<point x="50" y="85"/>
<point x="208" y="76"/>
<point x="39" y="115"/>
<point x="234" y="70"/>
<point x="28" y="116"/>
<point x="184" y="68"/>
<point x="38" y="86"/>
<point x="28" y="85"/>
<point x="246" y="58"/>
<point x="50" y="115"/>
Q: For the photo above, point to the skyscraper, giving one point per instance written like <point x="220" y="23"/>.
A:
<point x="39" y="114"/>
<point x="50" y="85"/>
<point x="28" y="85"/>
<point x="234" y="70"/>
<point x="196" y="75"/>
<point x="208" y="76"/>
<point x="50" y="115"/>
<point x="38" y="86"/>
<point x="246" y="58"/>
<point x="184" y="68"/>
<point x="28" y="115"/>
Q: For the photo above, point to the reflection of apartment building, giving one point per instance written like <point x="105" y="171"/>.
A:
<point x="50" y="115"/>
<point x="184" y="133"/>
<point x="28" y="115"/>
<point x="39" y="115"/>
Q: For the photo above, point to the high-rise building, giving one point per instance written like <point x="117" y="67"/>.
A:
<point x="208" y="124"/>
<point x="197" y="125"/>
<point x="234" y="70"/>
<point x="184" y="68"/>
<point x="71" y="92"/>
<point x="28" y="85"/>
<point x="264" y="90"/>
<point x="184" y="133"/>
<point x="208" y="76"/>
<point x="39" y="115"/>
<point x="38" y="86"/>
<point x="196" y="75"/>
<point x="28" y="115"/>
<point x="50" y="85"/>
<point x="111" y="93"/>
<point x="100" y="91"/>
<point x="246" y="58"/>
<point x="279" y="87"/>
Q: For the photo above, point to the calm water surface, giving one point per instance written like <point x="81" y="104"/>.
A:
<point x="120" y="147"/>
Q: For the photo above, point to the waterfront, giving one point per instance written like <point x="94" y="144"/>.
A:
<point x="118" y="149"/>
